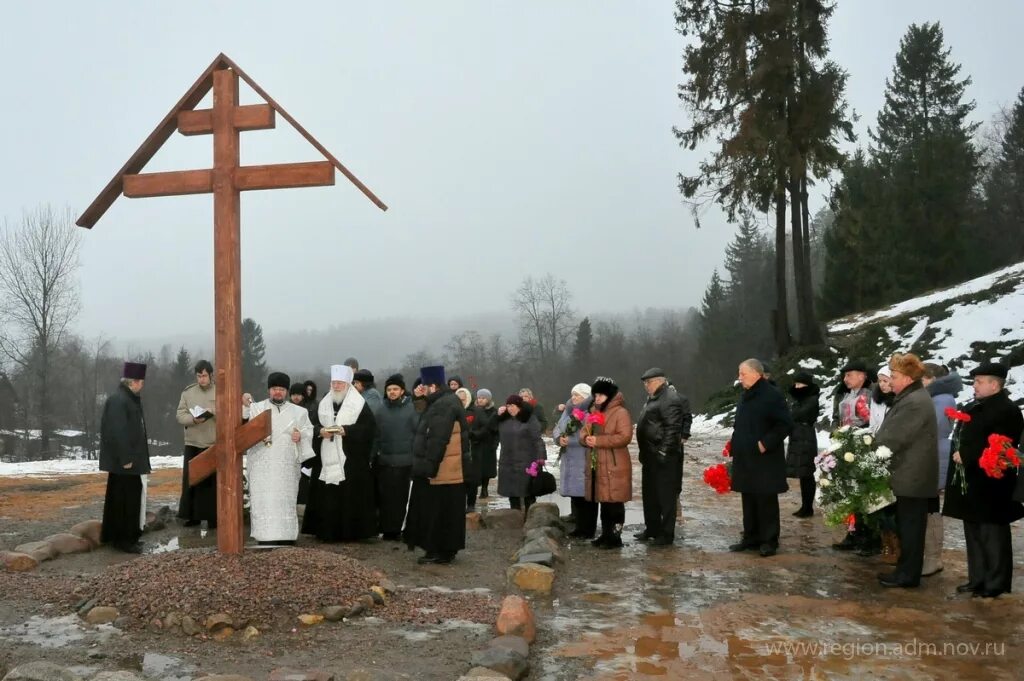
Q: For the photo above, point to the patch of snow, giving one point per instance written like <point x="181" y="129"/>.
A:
<point x="710" y="426"/>
<point x="971" y="287"/>
<point x="810" y="364"/>
<point x="58" y="467"/>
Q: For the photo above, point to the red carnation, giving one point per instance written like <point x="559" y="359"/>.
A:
<point x="955" y="415"/>
<point x="718" y="478"/>
<point x="998" y="456"/>
<point x="727" y="450"/>
<point x="596" y="419"/>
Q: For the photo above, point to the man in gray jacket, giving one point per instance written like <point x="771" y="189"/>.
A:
<point x="910" y="431"/>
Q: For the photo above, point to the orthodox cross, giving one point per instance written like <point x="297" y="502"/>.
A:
<point x="225" y="181"/>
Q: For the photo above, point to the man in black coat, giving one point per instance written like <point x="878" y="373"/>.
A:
<point x="663" y="425"/>
<point x="762" y="424"/>
<point x="436" y="521"/>
<point x="396" y="425"/>
<point x="124" y="455"/>
<point x="987" y="507"/>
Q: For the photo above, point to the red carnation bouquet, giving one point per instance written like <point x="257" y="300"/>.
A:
<point x="577" y="417"/>
<point x="593" y="420"/>
<point x="958" y="418"/>
<point x="998" y="456"/>
<point x="719" y="476"/>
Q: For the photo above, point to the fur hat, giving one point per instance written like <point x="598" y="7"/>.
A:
<point x="516" y="400"/>
<point x="855" y="365"/>
<point x="603" y="385"/>
<point x="907" y="364"/>
<point x="804" y="377"/>
<point x="364" y="376"/>
<point x="433" y="375"/>
<point x="457" y="379"/>
<point x="465" y="397"/>
<point x="395" y="379"/>
<point x="278" y="379"/>
<point x="297" y="389"/>
<point x="134" y="370"/>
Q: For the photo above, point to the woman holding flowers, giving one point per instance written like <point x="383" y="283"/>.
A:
<point x="987" y="506"/>
<point x="609" y="477"/>
<point x="910" y="431"/>
<point x="574" y="460"/>
<point x="521" y="445"/>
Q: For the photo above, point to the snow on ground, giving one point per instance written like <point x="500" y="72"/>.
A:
<point x="710" y="426"/>
<point x="907" y="306"/>
<point x="55" y="467"/>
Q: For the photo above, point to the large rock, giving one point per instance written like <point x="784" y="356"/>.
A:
<point x="540" y="545"/>
<point x="547" y="558"/>
<point x="544" y="514"/>
<point x="18" y="562"/>
<point x="66" y="543"/>
<point x="41" y="671"/>
<point x="482" y="673"/>
<point x="218" y="621"/>
<point x="88" y="529"/>
<point x="551" y="532"/>
<point x="334" y="613"/>
<point x="504" y="660"/>
<point x="40" y="550"/>
<point x="101" y="614"/>
<point x="531" y="577"/>
<point x="516" y="619"/>
<point x="516" y="643"/>
<point x="158" y="520"/>
<point x="503" y="519"/>
<point x="473" y="521"/>
<point x="189" y="626"/>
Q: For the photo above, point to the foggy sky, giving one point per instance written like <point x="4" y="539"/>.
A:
<point x="508" y="139"/>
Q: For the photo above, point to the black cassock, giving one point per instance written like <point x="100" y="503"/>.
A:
<point x="122" y="510"/>
<point x="346" y="511"/>
<point x="200" y="502"/>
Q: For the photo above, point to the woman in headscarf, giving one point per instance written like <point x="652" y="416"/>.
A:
<point x="573" y="462"/>
<point x="521" y="445"/>
<point x="483" y="436"/>
<point x="803" y="440"/>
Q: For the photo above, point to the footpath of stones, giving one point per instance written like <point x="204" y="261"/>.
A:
<point x="176" y="583"/>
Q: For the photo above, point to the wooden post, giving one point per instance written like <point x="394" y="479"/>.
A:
<point x="227" y="269"/>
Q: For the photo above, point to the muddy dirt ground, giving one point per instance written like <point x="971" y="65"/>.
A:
<point x="692" y="611"/>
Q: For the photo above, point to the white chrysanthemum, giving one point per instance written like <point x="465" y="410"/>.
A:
<point x="824" y="482"/>
<point x="844" y="429"/>
<point x="883" y="452"/>
<point x="848" y="457"/>
<point x="868" y="440"/>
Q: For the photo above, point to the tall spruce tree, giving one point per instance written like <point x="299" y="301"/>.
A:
<point x="254" y="366"/>
<point x="760" y="86"/>
<point x="1002" y="229"/>
<point x="923" y="146"/>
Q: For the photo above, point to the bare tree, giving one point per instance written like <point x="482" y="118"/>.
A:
<point x="38" y="298"/>
<point x="546" y="317"/>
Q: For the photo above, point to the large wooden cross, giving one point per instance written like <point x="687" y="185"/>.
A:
<point x="225" y="181"/>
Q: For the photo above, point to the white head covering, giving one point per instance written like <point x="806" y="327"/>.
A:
<point x="341" y="372"/>
<point x="884" y="371"/>
<point x="581" y="389"/>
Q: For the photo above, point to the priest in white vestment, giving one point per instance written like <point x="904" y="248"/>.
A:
<point x="274" y="465"/>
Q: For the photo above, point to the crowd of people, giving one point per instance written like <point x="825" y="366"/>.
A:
<point x="408" y="465"/>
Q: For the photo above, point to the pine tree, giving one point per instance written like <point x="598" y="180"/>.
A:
<point x="254" y="366"/>
<point x="182" y="370"/>
<point x="923" y="145"/>
<point x="583" y="349"/>
<point x="1001" y="232"/>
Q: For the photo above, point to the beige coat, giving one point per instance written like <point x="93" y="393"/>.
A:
<point x="203" y="434"/>
<point x="450" y="471"/>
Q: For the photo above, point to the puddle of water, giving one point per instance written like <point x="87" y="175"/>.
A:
<point x="56" y="632"/>
<point x="166" y="667"/>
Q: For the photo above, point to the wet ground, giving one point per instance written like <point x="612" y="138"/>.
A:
<point x="691" y="611"/>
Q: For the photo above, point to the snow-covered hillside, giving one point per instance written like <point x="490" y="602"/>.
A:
<point x="960" y="326"/>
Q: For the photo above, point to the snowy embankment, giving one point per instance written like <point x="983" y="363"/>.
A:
<point x="57" y="467"/>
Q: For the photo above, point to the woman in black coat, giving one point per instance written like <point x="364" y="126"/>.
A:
<point x="521" y="445"/>
<point x="803" y="441"/>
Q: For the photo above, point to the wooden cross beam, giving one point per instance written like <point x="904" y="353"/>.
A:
<point x="225" y="120"/>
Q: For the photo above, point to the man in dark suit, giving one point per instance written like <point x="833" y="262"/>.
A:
<point x="762" y="424"/>
<point x="987" y="507"/>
